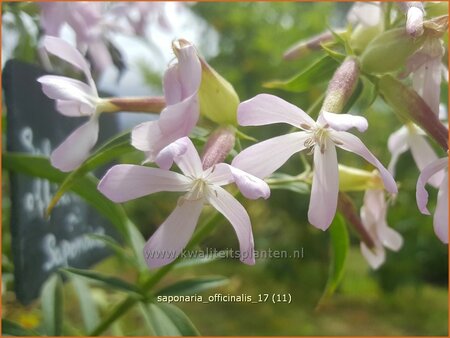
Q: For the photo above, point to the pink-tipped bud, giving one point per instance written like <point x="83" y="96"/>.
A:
<point x="218" y="146"/>
<point x="303" y="47"/>
<point x="414" y="21"/>
<point x="341" y="86"/>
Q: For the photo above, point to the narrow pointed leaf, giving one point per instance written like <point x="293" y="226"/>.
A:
<point x="340" y="243"/>
<point x="112" y="282"/>
<point x="319" y="72"/>
<point x="192" y="286"/>
<point x="88" y="308"/>
<point x="52" y="306"/>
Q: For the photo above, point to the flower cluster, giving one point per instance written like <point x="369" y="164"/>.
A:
<point x="192" y="89"/>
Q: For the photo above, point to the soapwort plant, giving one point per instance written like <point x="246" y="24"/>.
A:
<point x="388" y="52"/>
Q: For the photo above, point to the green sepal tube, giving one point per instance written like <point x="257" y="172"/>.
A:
<point x="389" y="51"/>
<point x="218" y="99"/>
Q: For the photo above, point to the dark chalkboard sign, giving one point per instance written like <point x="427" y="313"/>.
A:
<point x="39" y="245"/>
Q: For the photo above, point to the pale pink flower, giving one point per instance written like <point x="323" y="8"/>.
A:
<point x="440" y="218"/>
<point x="126" y="182"/>
<point x="373" y="218"/>
<point x="320" y="137"/>
<point x="73" y="98"/>
<point x="410" y="137"/>
<point x="367" y="13"/>
<point x="181" y="84"/>
<point x="87" y="19"/>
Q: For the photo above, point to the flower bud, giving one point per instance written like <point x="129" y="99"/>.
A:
<point x="362" y="35"/>
<point x="218" y="146"/>
<point x="341" y="86"/>
<point x="218" y="99"/>
<point x="409" y="106"/>
<point x="389" y="51"/>
<point x="414" y="21"/>
<point x="304" y="47"/>
<point x="354" y="179"/>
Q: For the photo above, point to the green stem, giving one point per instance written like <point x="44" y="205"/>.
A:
<point x="126" y="304"/>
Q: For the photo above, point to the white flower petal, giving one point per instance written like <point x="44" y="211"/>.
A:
<point x="68" y="53"/>
<point x="262" y="159"/>
<point x="374" y="257"/>
<point x="397" y="145"/>
<point x="172" y="236"/>
<point x="325" y="187"/>
<point x="74" y="109"/>
<point x="390" y="238"/>
<point x="342" y="122"/>
<point x="75" y="149"/>
<point x="219" y="174"/>
<point x="228" y="206"/>
<point x="427" y="172"/>
<point x="353" y="144"/>
<point x="267" y="109"/>
<point x="67" y="89"/>
<point x="250" y="186"/>
<point x="440" y="219"/>
<point x="126" y="182"/>
<point x="423" y="155"/>
<point x="189" y="161"/>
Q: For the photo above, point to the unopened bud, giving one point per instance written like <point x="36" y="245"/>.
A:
<point x="341" y="86"/>
<point x="218" y="99"/>
<point x="218" y="146"/>
<point x="409" y="106"/>
<point x="414" y="21"/>
<point x="389" y="51"/>
<point x="354" y="179"/>
<point x="304" y="47"/>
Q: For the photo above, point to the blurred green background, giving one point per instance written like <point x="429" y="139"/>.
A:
<point x="408" y="295"/>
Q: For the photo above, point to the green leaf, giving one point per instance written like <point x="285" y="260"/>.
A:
<point x="86" y="187"/>
<point x="115" y="147"/>
<point x="288" y="182"/>
<point x="168" y="320"/>
<point x="180" y="320"/>
<point x="193" y="286"/>
<point x="88" y="308"/>
<point x="112" y="282"/>
<point x="198" y="260"/>
<point x="340" y="243"/>
<point x="10" y="328"/>
<point x="320" y="71"/>
<point x="52" y="305"/>
<point x="111" y="243"/>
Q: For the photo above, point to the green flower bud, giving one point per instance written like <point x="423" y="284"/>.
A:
<point x="389" y="51"/>
<point x="362" y="35"/>
<point x="354" y="179"/>
<point x="218" y="99"/>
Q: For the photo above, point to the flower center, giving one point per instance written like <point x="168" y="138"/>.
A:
<point x="198" y="190"/>
<point x="318" y="137"/>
